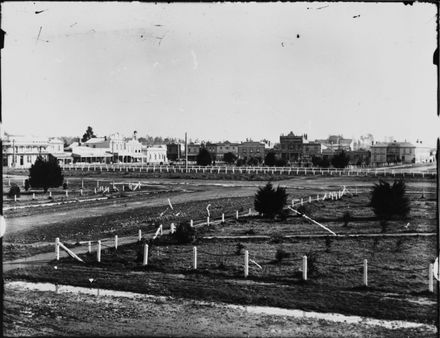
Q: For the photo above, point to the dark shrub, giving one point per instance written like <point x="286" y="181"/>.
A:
<point x="269" y="201"/>
<point x="389" y="201"/>
<point x="346" y="217"/>
<point x="280" y="254"/>
<point x="26" y="184"/>
<point x="45" y="174"/>
<point x="14" y="190"/>
<point x="184" y="233"/>
<point x="238" y="248"/>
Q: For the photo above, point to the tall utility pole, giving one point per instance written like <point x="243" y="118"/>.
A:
<point x="186" y="153"/>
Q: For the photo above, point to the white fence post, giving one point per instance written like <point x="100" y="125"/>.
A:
<point x="116" y="241"/>
<point x="98" y="253"/>
<point x="145" y="261"/>
<point x="207" y="220"/>
<point x="191" y="223"/>
<point x="140" y="235"/>
<point x="310" y="199"/>
<point x="302" y="202"/>
<point x="33" y="196"/>
<point x="90" y="247"/>
<point x="195" y="258"/>
<point x="161" y="229"/>
<point x="236" y="214"/>
<point x="50" y="193"/>
<point x="67" y="193"/>
<point x="223" y="218"/>
<point x="250" y="211"/>
<point x="57" y="248"/>
<point x="430" y="279"/>
<point x="80" y="192"/>
<point x="15" y="198"/>
<point x="304" y="268"/>
<point x="246" y="263"/>
<point x="365" y="279"/>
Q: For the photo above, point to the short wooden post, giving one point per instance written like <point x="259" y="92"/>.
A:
<point x="116" y="242"/>
<point x="145" y="261"/>
<point x="310" y="199"/>
<point x="80" y="192"/>
<point x="250" y="211"/>
<point x="57" y="248"/>
<point x="223" y="218"/>
<point x="50" y="193"/>
<point x="195" y="258"/>
<point x="82" y="184"/>
<point x="140" y="235"/>
<point x="302" y="202"/>
<point x="191" y="223"/>
<point x="246" y="263"/>
<point x="33" y="196"/>
<point x="365" y="279"/>
<point x="207" y="220"/>
<point x="67" y="193"/>
<point x="236" y="214"/>
<point x="98" y="253"/>
<point x="15" y="198"/>
<point x="95" y="191"/>
<point x="430" y="278"/>
<point x="161" y="229"/>
<point x="304" y="268"/>
<point x="90" y="247"/>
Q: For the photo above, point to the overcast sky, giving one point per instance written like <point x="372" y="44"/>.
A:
<point x="220" y="71"/>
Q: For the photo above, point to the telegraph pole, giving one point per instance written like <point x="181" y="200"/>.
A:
<point x="186" y="153"/>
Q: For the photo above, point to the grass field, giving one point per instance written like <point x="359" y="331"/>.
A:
<point x="397" y="273"/>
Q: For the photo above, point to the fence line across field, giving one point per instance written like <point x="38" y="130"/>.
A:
<point x="138" y="167"/>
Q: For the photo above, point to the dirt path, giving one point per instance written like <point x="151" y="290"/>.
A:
<point x="15" y="224"/>
<point x="31" y="312"/>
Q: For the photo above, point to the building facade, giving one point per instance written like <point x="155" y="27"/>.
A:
<point x="22" y="151"/>
<point x="193" y="151"/>
<point x="251" y="149"/>
<point x="292" y="147"/>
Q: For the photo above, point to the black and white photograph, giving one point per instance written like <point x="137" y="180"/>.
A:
<point x="220" y="169"/>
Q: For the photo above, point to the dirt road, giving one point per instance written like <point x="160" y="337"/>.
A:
<point x="47" y="313"/>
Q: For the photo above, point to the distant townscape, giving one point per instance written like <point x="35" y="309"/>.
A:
<point x="292" y="150"/>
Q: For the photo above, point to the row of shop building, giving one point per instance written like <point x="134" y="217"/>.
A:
<point x="22" y="151"/>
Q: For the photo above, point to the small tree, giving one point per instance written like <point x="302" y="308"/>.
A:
<point x="269" y="201"/>
<point x="88" y="134"/>
<point x="184" y="233"/>
<point x="26" y="184"/>
<point x="229" y="158"/>
<point x="253" y="161"/>
<point x="340" y="160"/>
<point x="316" y="161"/>
<point x="280" y="162"/>
<point x="204" y="157"/>
<point x="389" y="201"/>
<point x="14" y="191"/>
<point x="270" y="159"/>
<point x="45" y="174"/>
